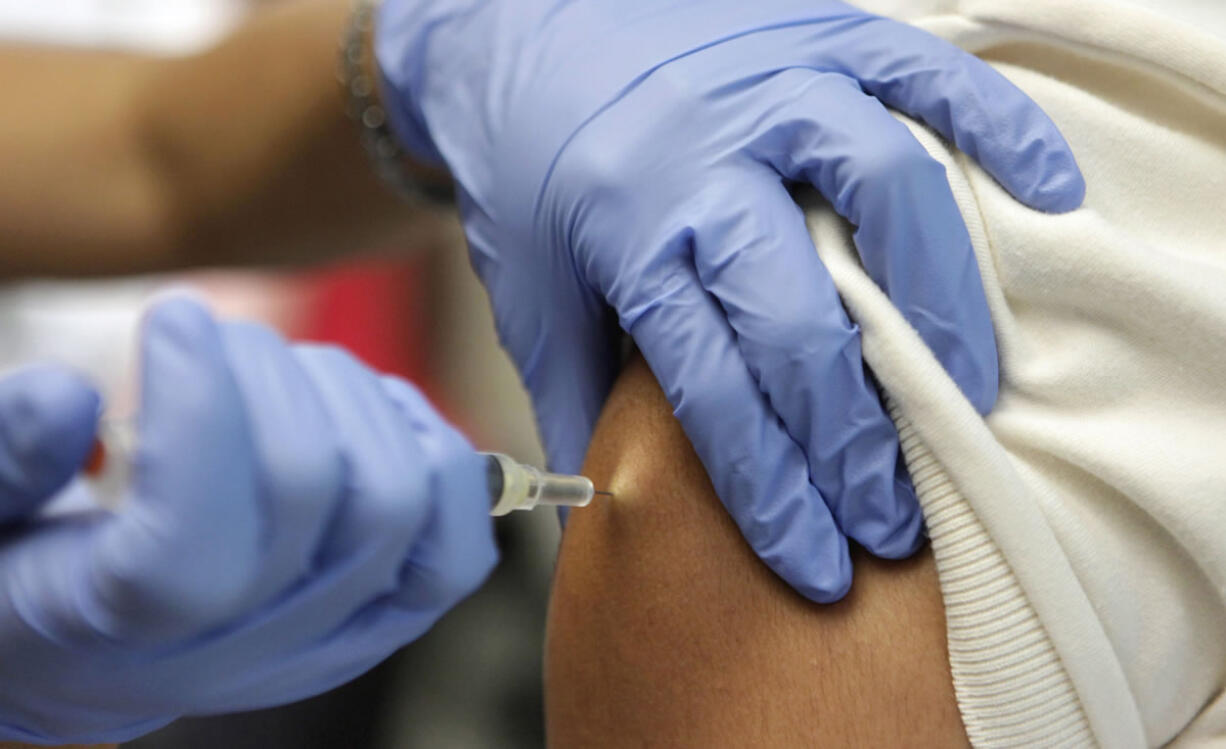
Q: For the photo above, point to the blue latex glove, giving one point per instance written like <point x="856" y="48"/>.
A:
<point x="294" y="519"/>
<point x="635" y="154"/>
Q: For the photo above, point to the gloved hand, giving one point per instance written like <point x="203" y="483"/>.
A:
<point x="294" y="519"/>
<point x="636" y="153"/>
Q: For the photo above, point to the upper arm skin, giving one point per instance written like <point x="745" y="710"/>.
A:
<point x="666" y="630"/>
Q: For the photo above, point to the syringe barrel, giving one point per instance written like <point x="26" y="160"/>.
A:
<point x="514" y="486"/>
<point x="566" y="491"/>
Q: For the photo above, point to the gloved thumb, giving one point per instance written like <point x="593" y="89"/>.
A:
<point x="48" y="419"/>
<point x="183" y="554"/>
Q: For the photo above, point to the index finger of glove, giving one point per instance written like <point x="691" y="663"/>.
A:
<point x="968" y="102"/>
<point x="758" y="470"/>
<point x="910" y="234"/>
<point x="456" y="551"/>
<point x="754" y="254"/>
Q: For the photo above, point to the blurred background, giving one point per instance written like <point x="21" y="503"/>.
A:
<point x="475" y="679"/>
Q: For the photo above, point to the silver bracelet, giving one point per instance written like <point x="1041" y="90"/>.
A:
<point x="380" y="143"/>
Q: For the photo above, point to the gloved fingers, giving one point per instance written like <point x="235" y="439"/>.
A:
<point x="456" y="551"/>
<point x="910" y="234"/>
<point x="352" y="646"/>
<point x="182" y="555"/>
<point x="290" y="636"/>
<point x="297" y="452"/>
<point x="754" y="254"/>
<point x="968" y="102"/>
<point x="758" y="470"/>
<point x="48" y="419"/>
<point x="337" y="626"/>
<point x="387" y="501"/>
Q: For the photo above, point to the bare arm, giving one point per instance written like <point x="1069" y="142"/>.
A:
<point x="665" y="629"/>
<point x="114" y="163"/>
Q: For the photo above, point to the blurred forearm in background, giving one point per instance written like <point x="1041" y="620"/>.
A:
<point x="116" y="163"/>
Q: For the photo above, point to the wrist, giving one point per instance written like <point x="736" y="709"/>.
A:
<point x="400" y="153"/>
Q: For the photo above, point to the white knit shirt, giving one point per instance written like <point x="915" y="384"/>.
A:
<point x="1080" y="531"/>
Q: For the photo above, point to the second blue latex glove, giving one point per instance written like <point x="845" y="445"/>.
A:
<point x="637" y="154"/>
<point x="294" y="519"/>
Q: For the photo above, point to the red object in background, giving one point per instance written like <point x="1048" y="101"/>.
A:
<point x="377" y="309"/>
<point x="380" y="311"/>
<point x="96" y="460"/>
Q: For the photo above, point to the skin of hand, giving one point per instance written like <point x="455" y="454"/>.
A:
<point x="294" y="518"/>
<point x="633" y="159"/>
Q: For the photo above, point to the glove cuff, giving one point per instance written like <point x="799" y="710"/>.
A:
<point x="381" y="129"/>
<point x="400" y="60"/>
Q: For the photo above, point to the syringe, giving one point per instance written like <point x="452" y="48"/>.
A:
<point x="512" y="485"/>
<point x="515" y="486"/>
